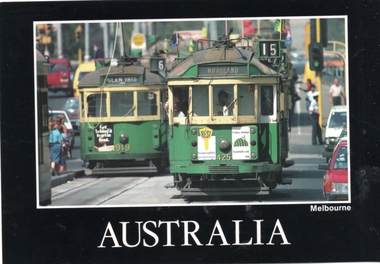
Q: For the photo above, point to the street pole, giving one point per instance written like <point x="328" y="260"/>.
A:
<point x="318" y="33"/>
<point x="87" y="42"/>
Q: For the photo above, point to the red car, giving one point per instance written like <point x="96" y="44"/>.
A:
<point x="59" y="78"/>
<point x="335" y="183"/>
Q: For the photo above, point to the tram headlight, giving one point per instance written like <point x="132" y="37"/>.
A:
<point x="123" y="138"/>
<point x="89" y="147"/>
<point x="193" y="131"/>
<point x="89" y="129"/>
<point x="194" y="156"/>
<point x="224" y="144"/>
<point x="253" y="155"/>
<point x="253" y="130"/>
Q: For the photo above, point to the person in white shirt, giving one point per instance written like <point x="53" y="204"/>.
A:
<point x="309" y="96"/>
<point x="336" y="93"/>
<point x="314" y="117"/>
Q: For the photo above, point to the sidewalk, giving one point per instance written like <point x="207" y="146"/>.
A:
<point x="74" y="170"/>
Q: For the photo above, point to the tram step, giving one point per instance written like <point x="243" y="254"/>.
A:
<point x="124" y="170"/>
<point x="286" y="181"/>
<point x="225" y="191"/>
<point x="288" y="163"/>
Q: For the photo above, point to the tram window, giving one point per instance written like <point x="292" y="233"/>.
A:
<point x="200" y="100"/>
<point x="246" y="99"/>
<point x="93" y="102"/>
<point x="181" y="104"/>
<point x="146" y="104"/>
<point x="121" y="103"/>
<point x="267" y="100"/>
<point x="223" y="95"/>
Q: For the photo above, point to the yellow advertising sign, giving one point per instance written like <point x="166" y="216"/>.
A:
<point x="206" y="134"/>
<point x="138" y="39"/>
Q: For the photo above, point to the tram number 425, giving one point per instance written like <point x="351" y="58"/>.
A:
<point x="121" y="147"/>
<point x="224" y="157"/>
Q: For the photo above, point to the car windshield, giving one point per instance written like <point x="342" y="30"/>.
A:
<point x="337" y="119"/>
<point x="340" y="162"/>
<point x="55" y="68"/>
<point x="71" y="104"/>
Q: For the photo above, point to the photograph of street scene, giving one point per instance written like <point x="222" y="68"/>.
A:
<point x="192" y="112"/>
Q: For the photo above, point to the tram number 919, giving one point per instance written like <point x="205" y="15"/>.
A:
<point x="121" y="147"/>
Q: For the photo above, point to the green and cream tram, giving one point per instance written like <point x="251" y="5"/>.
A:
<point x="232" y="137"/>
<point x="123" y="124"/>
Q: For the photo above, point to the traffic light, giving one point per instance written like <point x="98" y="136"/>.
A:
<point x="316" y="56"/>
<point x="78" y="32"/>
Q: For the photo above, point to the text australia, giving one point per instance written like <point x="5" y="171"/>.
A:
<point x="190" y="232"/>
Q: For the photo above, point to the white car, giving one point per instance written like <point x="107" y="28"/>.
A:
<point x="53" y="114"/>
<point x="336" y="122"/>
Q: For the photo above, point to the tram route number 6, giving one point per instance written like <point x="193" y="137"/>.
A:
<point x="121" y="147"/>
<point x="157" y="64"/>
<point x="269" y="49"/>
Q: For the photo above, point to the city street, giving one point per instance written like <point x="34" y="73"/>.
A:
<point x="149" y="190"/>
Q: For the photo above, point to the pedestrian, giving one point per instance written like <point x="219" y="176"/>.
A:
<point x="62" y="123"/>
<point x="55" y="144"/>
<point x="314" y="117"/>
<point x="65" y="140"/>
<point x="336" y="93"/>
<point x="309" y="96"/>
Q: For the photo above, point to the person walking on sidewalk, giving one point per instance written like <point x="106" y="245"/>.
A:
<point x="55" y="144"/>
<point x="336" y="93"/>
<point x="65" y="139"/>
<point x="314" y="117"/>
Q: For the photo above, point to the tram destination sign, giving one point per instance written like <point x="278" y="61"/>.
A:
<point x="269" y="49"/>
<point x="119" y="80"/>
<point x="222" y="70"/>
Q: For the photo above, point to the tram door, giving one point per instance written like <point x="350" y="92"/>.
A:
<point x="268" y="104"/>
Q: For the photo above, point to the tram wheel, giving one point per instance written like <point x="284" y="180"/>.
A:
<point x="91" y="164"/>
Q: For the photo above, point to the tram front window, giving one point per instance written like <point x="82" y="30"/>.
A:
<point x="94" y="103"/>
<point x="223" y="96"/>
<point x="246" y="99"/>
<point x="121" y="103"/>
<point x="200" y="100"/>
<point x="146" y="104"/>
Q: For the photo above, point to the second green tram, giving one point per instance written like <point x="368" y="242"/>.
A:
<point x="123" y="124"/>
<point x="228" y="122"/>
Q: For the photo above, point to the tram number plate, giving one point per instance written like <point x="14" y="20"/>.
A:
<point x="121" y="147"/>
<point x="224" y="157"/>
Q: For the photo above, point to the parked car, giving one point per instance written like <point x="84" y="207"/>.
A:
<point x="71" y="107"/>
<point x="81" y="71"/>
<point x="335" y="181"/>
<point x="70" y="132"/>
<point x="59" y="78"/>
<point x="336" y="122"/>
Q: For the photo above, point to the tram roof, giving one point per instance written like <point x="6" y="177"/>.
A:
<point x="215" y="55"/>
<point x="149" y="78"/>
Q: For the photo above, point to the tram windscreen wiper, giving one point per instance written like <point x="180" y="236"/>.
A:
<point x="130" y="110"/>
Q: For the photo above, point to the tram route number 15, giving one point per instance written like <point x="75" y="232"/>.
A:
<point x="121" y="147"/>
<point x="269" y="49"/>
